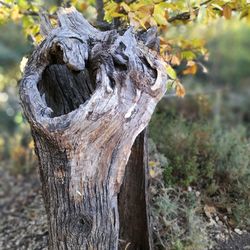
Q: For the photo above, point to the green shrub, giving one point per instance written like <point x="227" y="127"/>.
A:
<point x="212" y="158"/>
<point x="178" y="226"/>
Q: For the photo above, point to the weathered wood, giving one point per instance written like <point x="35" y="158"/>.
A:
<point x="87" y="94"/>
<point x="135" y="231"/>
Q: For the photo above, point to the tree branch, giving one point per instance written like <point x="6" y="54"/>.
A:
<point x="186" y="15"/>
<point x="5" y="4"/>
<point x="100" y="10"/>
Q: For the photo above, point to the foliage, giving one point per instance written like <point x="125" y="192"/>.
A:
<point x="177" y="220"/>
<point x="205" y="154"/>
<point x="178" y="224"/>
<point x="27" y="13"/>
<point x="173" y="16"/>
<point x="141" y="14"/>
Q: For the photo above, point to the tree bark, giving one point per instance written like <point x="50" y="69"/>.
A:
<point x="87" y="95"/>
<point x="133" y="200"/>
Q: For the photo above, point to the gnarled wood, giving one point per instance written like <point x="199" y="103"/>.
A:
<point x="87" y="94"/>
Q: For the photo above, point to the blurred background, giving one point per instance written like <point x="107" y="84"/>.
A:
<point x="199" y="144"/>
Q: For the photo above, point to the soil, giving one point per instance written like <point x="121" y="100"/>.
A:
<point x="23" y="222"/>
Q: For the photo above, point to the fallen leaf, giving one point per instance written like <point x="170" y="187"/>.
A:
<point x="209" y="210"/>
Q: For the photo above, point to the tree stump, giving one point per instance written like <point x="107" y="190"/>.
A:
<point x="87" y="95"/>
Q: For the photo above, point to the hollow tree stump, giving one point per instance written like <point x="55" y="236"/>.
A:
<point x="87" y="95"/>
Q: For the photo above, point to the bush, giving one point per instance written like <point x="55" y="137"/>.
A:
<point x="178" y="225"/>
<point x="212" y="158"/>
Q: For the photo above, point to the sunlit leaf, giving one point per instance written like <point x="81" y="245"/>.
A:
<point x="175" y="60"/>
<point x="190" y="70"/>
<point x="170" y="71"/>
<point x="179" y="89"/>
<point x="159" y="14"/>
<point x="15" y="15"/>
<point x="227" y="11"/>
<point x="125" y="7"/>
<point x="217" y="6"/>
<point x="188" y="55"/>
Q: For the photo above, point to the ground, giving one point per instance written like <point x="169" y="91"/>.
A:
<point x="23" y="219"/>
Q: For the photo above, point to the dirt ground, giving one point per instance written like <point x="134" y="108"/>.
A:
<point x="23" y="219"/>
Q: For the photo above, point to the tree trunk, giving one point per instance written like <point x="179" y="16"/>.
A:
<point x="87" y="95"/>
<point x="135" y="229"/>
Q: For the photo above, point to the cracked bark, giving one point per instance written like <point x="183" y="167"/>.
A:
<point x="87" y="95"/>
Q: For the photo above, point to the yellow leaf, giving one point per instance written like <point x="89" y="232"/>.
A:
<point x="152" y="163"/>
<point x="157" y="1"/>
<point x="145" y="10"/>
<point x="140" y="6"/>
<point x="53" y="9"/>
<point x="190" y="70"/>
<point x="171" y="72"/>
<point x="111" y="8"/>
<point x="202" y="14"/>
<point x="152" y="22"/>
<point x="117" y="15"/>
<point x="15" y="13"/>
<point x="217" y="6"/>
<point x="132" y="20"/>
<point x="84" y="6"/>
<point x="190" y="63"/>
<point x="188" y="55"/>
<point x="179" y="89"/>
<point x="38" y="38"/>
<point x="31" y="144"/>
<point x="152" y="173"/>
<point x="125" y="7"/>
<point x="175" y="60"/>
<point x="227" y="12"/>
<point x="244" y="13"/>
<point x="159" y="15"/>
<point x="143" y="21"/>
<point x="210" y="14"/>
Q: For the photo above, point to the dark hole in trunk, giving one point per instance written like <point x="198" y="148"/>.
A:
<point x="65" y="90"/>
<point x="62" y="89"/>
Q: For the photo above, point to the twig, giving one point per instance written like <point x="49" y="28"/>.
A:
<point x="186" y="15"/>
<point x="100" y="10"/>
<point x="5" y="4"/>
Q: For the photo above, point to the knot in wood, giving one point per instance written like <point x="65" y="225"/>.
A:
<point x="81" y="225"/>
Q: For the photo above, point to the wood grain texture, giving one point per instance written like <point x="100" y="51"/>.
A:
<point x="135" y="230"/>
<point x="87" y="95"/>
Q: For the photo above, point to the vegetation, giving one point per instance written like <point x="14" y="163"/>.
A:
<point x="203" y="140"/>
